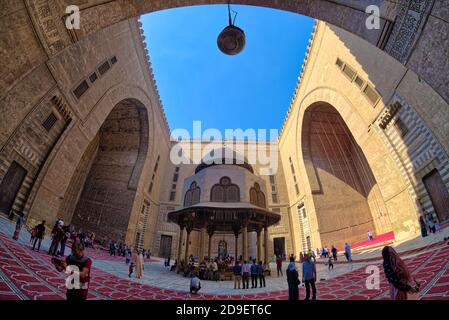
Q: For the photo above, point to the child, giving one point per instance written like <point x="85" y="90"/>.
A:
<point x="330" y="264"/>
<point x="131" y="268"/>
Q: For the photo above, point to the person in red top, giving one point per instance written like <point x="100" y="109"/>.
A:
<point x="84" y="264"/>
<point x="279" y="265"/>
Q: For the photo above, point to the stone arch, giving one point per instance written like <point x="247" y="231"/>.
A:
<point x="395" y="35"/>
<point x="59" y="171"/>
<point x="225" y="191"/>
<point x="192" y="195"/>
<point x="387" y="216"/>
<point x="343" y="179"/>
<point x="350" y="17"/>
<point x="256" y="196"/>
<point x="105" y="203"/>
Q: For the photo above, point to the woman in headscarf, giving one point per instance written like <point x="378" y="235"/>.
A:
<point x="139" y="265"/>
<point x="292" y="280"/>
<point x="423" y="226"/>
<point x="19" y="224"/>
<point x="402" y="284"/>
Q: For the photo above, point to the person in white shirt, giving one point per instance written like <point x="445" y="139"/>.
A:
<point x="370" y="235"/>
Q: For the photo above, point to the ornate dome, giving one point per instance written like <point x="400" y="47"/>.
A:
<point x="222" y="156"/>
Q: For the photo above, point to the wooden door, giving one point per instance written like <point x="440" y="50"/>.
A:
<point x="165" y="247"/>
<point x="438" y="194"/>
<point x="10" y="185"/>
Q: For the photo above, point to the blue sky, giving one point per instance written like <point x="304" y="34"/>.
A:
<point x="198" y="82"/>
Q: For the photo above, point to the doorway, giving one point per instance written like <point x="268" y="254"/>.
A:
<point x="10" y="186"/>
<point x="439" y="196"/>
<point x="165" y="247"/>
<point x="279" y="246"/>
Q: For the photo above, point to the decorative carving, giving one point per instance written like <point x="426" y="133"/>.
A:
<point x="411" y="18"/>
<point x="48" y="25"/>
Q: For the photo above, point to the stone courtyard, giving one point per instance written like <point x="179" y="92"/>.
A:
<point x="28" y="275"/>
<point x="362" y="148"/>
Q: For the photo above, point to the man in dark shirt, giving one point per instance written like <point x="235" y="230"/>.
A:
<point x="81" y="265"/>
<point x="254" y="274"/>
<point x="40" y="232"/>
<point x="261" y="274"/>
<point x="58" y="234"/>
<point x="237" y="274"/>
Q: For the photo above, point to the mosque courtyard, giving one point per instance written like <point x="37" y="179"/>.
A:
<point x="28" y="275"/>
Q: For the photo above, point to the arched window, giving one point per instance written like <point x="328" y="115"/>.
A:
<point x="225" y="191"/>
<point x="257" y="197"/>
<point x="192" y="195"/>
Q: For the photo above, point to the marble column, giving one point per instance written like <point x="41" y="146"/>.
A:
<point x="186" y="254"/>
<point x="245" y="240"/>
<point x="265" y="234"/>
<point x="259" y="245"/>
<point x="236" y="246"/>
<point x="210" y="232"/>
<point x="181" y="235"/>
<point x="202" y="242"/>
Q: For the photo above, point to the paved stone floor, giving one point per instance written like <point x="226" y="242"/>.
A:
<point x="25" y="274"/>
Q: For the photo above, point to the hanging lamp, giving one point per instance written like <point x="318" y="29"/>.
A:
<point x="231" y="40"/>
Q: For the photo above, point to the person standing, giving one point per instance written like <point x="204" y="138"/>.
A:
<point x="127" y="256"/>
<point x="19" y="225"/>
<point x="329" y="263"/>
<point x="215" y="269"/>
<point x="111" y="248"/>
<point x="245" y="274"/>
<point x="131" y="269"/>
<point x="57" y="234"/>
<point x="33" y="234"/>
<point x="202" y="269"/>
<point x="309" y="277"/>
<point x="254" y="274"/>
<point x="334" y="253"/>
<point x="348" y="253"/>
<point x="261" y="274"/>
<point x="402" y="285"/>
<point x="292" y="280"/>
<point x="370" y="235"/>
<point x="237" y="270"/>
<point x="139" y="265"/>
<point x="279" y="265"/>
<point x="431" y="223"/>
<point x="83" y="265"/>
<point x="64" y="239"/>
<point x="423" y="226"/>
<point x="40" y="233"/>
<point x="301" y="257"/>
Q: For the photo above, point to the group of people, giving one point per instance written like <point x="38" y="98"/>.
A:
<point x="309" y="276"/>
<point x="427" y="224"/>
<point x="135" y="262"/>
<point x="243" y="272"/>
<point x="60" y="235"/>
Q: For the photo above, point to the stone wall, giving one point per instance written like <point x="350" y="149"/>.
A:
<point x="326" y="79"/>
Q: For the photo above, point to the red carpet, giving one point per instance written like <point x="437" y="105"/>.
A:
<point x="25" y="274"/>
